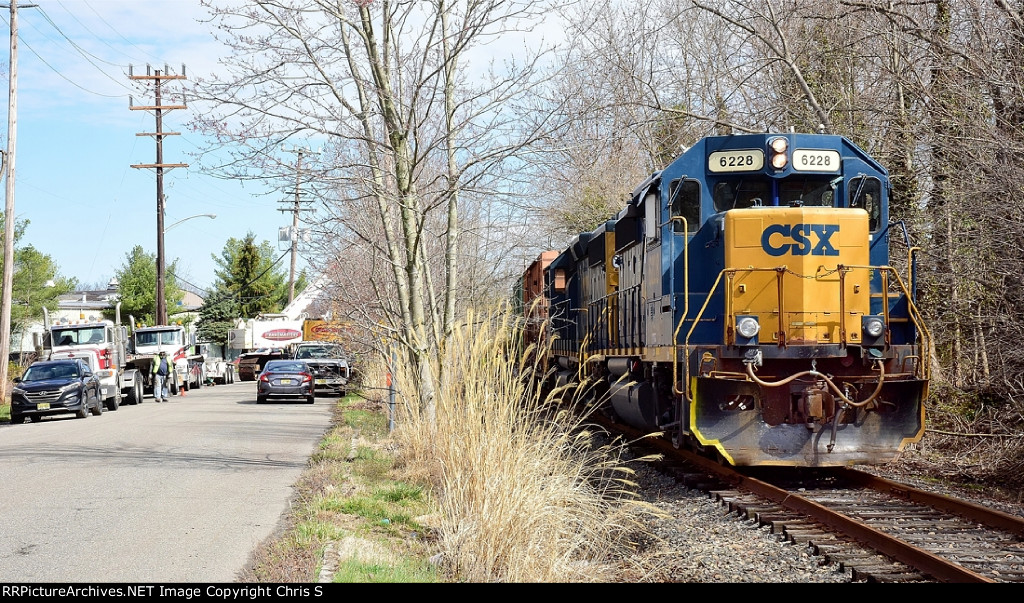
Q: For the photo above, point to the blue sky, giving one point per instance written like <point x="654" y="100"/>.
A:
<point x="76" y="141"/>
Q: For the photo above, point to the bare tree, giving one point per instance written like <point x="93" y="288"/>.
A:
<point x="414" y="122"/>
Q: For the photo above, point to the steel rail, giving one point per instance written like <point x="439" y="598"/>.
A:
<point x="939" y="568"/>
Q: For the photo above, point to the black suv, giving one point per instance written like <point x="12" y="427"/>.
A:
<point x="52" y="387"/>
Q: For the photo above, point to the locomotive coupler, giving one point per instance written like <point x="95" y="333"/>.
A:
<point x="817" y="405"/>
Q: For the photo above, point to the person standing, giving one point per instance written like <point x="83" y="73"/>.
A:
<point x="161" y="370"/>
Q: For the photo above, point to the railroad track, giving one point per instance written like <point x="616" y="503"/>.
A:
<point x="877" y="529"/>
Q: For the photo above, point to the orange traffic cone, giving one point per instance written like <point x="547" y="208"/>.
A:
<point x="181" y="390"/>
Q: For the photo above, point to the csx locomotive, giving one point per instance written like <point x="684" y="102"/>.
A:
<point x="743" y="302"/>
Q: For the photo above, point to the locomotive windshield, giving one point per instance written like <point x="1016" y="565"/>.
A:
<point x="806" y="191"/>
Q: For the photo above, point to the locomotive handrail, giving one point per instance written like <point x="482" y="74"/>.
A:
<point x="686" y="345"/>
<point x="914" y="313"/>
<point x="686" y="279"/>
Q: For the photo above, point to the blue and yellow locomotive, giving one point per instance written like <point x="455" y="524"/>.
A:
<point x="743" y="302"/>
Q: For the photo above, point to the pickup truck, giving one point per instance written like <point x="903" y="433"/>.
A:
<point x="327" y="362"/>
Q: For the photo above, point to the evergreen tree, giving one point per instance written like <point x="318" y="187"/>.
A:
<point x="30" y="291"/>
<point x="137" y="286"/>
<point x="216" y="317"/>
<point x="30" y="288"/>
<point x="251" y="275"/>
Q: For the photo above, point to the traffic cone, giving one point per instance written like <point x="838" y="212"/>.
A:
<point x="181" y="390"/>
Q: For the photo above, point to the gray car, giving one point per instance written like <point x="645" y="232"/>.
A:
<point x="285" y="379"/>
<point x="53" y="387"/>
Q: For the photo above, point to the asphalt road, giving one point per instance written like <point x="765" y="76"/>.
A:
<point x="152" y="493"/>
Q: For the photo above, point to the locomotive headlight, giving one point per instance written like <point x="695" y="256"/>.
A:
<point x="779" y="151"/>
<point x="872" y="331"/>
<point x="747" y="327"/>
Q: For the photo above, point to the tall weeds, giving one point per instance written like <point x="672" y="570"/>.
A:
<point x="525" y="492"/>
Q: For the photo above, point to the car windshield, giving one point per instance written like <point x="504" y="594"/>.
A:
<point x="51" y="371"/>
<point x="285" y="367"/>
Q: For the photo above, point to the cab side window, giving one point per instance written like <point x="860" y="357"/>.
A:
<point x="866" y="193"/>
<point x="685" y="195"/>
<point x="651" y="216"/>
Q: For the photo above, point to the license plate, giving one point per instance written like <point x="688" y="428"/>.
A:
<point x="43" y="406"/>
<point x="286" y="381"/>
<point x="321" y="381"/>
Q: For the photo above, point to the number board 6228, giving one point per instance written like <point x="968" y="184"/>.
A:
<point x="741" y="160"/>
<point x="816" y="160"/>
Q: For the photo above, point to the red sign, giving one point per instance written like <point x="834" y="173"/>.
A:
<point x="282" y="334"/>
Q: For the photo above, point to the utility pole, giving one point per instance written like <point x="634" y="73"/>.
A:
<point x="294" y="234"/>
<point x="158" y="78"/>
<point x="12" y="137"/>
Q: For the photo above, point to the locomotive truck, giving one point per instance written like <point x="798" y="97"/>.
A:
<point x="102" y="344"/>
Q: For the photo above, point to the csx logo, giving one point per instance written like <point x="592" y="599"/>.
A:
<point x="799" y="239"/>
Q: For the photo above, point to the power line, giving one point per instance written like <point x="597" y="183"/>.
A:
<point x="158" y="108"/>
<point x="293" y="235"/>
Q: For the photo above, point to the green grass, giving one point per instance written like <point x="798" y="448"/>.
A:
<point x="405" y="571"/>
<point x="345" y="497"/>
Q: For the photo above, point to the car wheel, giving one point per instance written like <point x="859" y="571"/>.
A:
<point x="82" y="413"/>
<point x="310" y="399"/>
<point x="17" y="419"/>
<point x="261" y="399"/>
<point x="97" y="408"/>
<point x="114" y="403"/>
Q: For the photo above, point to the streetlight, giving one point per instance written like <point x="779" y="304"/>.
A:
<point x="211" y="216"/>
<point x="161" y="303"/>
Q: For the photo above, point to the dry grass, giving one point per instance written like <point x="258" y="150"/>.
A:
<point x="523" y="493"/>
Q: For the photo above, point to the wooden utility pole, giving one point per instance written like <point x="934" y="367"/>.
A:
<point x="294" y="234"/>
<point x="158" y="78"/>
<point x="9" y="217"/>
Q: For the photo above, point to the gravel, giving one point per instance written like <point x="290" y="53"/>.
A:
<point x="700" y="541"/>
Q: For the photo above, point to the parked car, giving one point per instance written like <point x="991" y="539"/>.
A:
<point x="285" y="379"/>
<point x="53" y="387"/>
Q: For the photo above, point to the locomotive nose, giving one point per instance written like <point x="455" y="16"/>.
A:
<point x="800" y="272"/>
